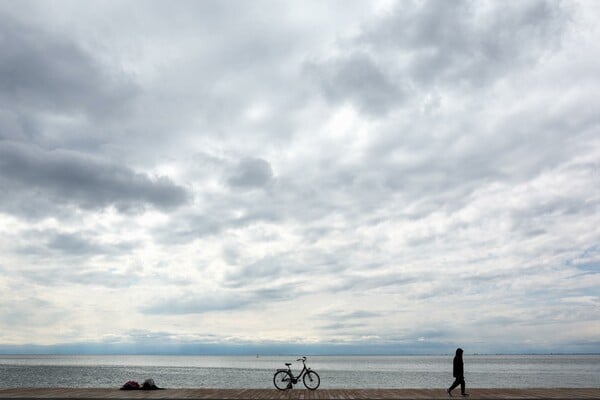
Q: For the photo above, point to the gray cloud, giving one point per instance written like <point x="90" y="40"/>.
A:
<point x="251" y="173"/>
<point x="264" y="270"/>
<point x="340" y="321"/>
<point x="223" y="299"/>
<point x="79" y="244"/>
<point x="462" y="43"/>
<point x="68" y="177"/>
<point x="358" y="79"/>
<point x="430" y="45"/>
<point x="341" y="326"/>
<point x="217" y="218"/>
<point x="348" y="315"/>
<point x="29" y="312"/>
<point x="44" y="74"/>
<point x="56" y="93"/>
<point x="198" y="304"/>
<point x="279" y="269"/>
<point x="68" y="274"/>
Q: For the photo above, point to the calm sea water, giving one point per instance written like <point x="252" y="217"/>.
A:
<point x="335" y="371"/>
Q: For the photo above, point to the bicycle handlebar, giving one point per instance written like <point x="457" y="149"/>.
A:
<point x="301" y="359"/>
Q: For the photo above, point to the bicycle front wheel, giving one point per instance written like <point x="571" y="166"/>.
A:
<point x="311" y="380"/>
<point x="282" y="380"/>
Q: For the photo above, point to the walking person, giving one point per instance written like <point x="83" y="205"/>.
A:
<point x="458" y="371"/>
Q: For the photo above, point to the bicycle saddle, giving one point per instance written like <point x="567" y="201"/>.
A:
<point x="288" y="364"/>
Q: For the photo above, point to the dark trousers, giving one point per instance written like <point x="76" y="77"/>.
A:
<point x="460" y="380"/>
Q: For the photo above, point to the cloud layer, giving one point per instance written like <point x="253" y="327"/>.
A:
<point x="407" y="177"/>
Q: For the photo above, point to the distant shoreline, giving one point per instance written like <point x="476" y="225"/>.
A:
<point x="292" y="354"/>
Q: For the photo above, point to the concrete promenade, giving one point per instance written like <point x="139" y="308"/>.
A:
<point x="296" y="394"/>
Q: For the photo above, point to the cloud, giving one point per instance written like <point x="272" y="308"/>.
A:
<point x="43" y="73"/>
<point x="464" y="43"/>
<point x="251" y="296"/>
<point x="52" y="242"/>
<point x="388" y="171"/>
<point x="68" y="177"/>
<point x="425" y="45"/>
<point x="264" y="270"/>
<point x="346" y="315"/>
<point x="59" y="276"/>
<point x="358" y="79"/>
<point x="28" y="314"/>
<point x="341" y="326"/>
<point x="197" y="304"/>
<point x="251" y="173"/>
<point x="588" y="260"/>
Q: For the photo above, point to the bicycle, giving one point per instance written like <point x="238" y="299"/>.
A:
<point x="284" y="378"/>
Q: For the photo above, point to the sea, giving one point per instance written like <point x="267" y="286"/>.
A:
<point x="110" y="371"/>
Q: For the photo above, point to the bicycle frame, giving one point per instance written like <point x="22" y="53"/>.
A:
<point x="304" y="370"/>
<point x="295" y="379"/>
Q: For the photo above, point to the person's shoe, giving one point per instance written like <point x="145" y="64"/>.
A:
<point x="464" y="394"/>
<point x="449" y="392"/>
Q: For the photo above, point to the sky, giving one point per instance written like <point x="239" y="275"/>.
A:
<point x="302" y="176"/>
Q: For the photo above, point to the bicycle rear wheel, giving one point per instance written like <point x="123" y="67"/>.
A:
<point x="311" y="380"/>
<point x="282" y="380"/>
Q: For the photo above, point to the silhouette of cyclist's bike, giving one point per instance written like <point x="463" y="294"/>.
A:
<point x="284" y="378"/>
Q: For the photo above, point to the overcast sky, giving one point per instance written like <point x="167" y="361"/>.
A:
<point x="398" y="177"/>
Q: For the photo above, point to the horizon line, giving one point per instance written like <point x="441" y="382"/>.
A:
<point x="305" y="354"/>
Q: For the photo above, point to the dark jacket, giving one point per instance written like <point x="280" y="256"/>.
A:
<point x="458" y="368"/>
